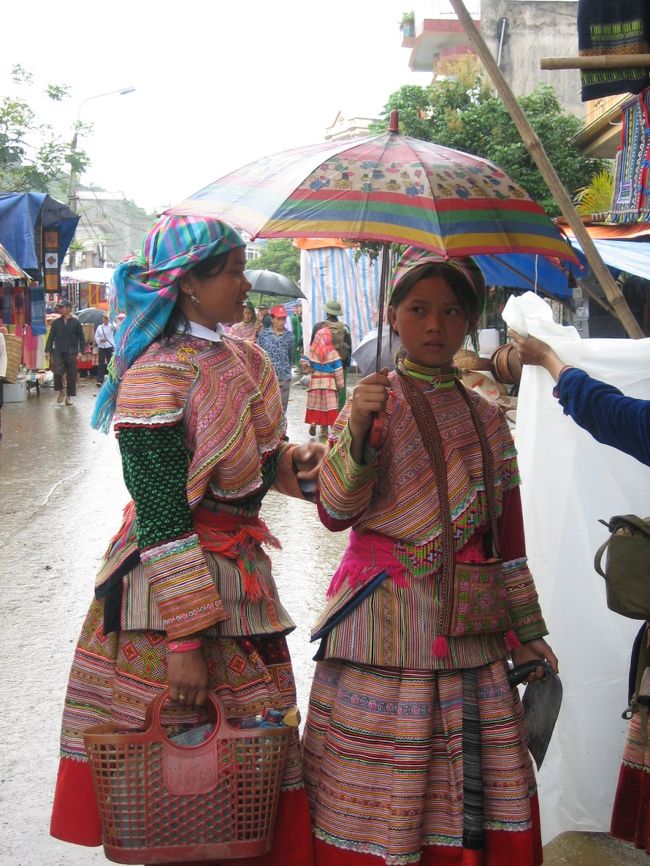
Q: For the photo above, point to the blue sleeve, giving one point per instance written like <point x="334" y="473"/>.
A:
<point x="605" y="412"/>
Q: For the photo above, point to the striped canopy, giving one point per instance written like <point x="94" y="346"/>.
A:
<point x="386" y="188"/>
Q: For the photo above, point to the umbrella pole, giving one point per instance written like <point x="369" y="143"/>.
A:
<point x="383" y="287"/>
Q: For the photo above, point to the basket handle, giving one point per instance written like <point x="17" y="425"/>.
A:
<point x="154" y="709"/>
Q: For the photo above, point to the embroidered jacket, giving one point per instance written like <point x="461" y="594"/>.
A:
<point x="199" y="423"/>
<point x="395" y="494"/>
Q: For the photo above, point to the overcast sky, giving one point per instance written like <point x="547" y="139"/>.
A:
<point x="217" y="84"/>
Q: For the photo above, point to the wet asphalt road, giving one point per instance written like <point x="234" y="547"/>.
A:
<point x="61" y="497"/>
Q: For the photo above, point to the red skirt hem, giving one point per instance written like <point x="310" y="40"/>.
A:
<point x="323" y="417"/>
<point x="516" y="848"/>
<point x="631" y="812"/>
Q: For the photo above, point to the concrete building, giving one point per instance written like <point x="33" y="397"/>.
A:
<point x="110" y="228"/>
<point x="518" y="32"/>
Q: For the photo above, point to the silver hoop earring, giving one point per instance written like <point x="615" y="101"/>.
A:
<point x="193" y="299"/>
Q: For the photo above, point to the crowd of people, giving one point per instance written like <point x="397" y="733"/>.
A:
<point x="414" y="748"/>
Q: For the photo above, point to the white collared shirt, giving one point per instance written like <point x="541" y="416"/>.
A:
<point x="204" y="333"/>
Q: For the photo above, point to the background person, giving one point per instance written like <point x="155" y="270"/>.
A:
<point x="65" y="343"/>
<point x="105" y="342"/>
<point x="324" y="364"/>
<point x="341" y="339"/>
<point x="185" y="599"/>
<point x="279" y="345"/>
<point x="414" y="746"/>
<point x="247" y="328"/>
<point x="623" y="423"/>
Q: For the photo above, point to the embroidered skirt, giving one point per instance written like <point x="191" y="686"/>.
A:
<point x="114" y="677"/>
<point x="406" y="766"/>
<point x="322" y="407"/>
<point x="631" y="812"/>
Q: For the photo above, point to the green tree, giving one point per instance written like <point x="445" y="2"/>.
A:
<point x="462" y="112"/>
<point x="281" y="256"/>
<point x="33" y="156"/>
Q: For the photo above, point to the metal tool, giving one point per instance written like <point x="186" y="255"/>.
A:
<point x="541" y="702"/>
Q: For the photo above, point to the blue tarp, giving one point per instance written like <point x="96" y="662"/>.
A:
<point x="22" y="214"/>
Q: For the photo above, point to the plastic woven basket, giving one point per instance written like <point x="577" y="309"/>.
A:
<point x="160" y="802"/>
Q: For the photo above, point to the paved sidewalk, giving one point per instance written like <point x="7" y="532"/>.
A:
<point x="591" y="849"/>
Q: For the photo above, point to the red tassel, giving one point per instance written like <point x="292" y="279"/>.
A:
<point x="440" y="647"/>
<point x="511" y="640"/>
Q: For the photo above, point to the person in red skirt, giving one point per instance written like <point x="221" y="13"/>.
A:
<point x="185" y="601"/>
<point x="325" y="366"/>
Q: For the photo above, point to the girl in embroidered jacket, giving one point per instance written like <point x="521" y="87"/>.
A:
<point x="184" y="598"/>
<point x="414" y="748"/>
<point x="326" y="379"/>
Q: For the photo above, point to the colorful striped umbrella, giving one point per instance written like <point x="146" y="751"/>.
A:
<point x="386" y="188"/>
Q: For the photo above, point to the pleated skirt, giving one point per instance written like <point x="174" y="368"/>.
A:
<point x="631" y="811"/>
<point x="406" y="766"/>
<point x="114" y="677"/>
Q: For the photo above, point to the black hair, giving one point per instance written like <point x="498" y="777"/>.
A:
<point x="468" y="297"/>
<point x="210" y="267"/>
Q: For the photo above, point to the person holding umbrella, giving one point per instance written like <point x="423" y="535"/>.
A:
<point x="414" y="745"/>
<point x="185" y="601"/>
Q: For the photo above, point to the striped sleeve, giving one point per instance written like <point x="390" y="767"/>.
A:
<point x="345" y="486"/>
<point x="155" y="472"/>
<point x="525" y="612"/>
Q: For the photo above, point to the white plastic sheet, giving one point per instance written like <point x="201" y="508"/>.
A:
<point x="569" y="481"/>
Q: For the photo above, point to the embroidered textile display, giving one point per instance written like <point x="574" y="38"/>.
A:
<point x="631" y="200"/>
<point x="618" y="28"/>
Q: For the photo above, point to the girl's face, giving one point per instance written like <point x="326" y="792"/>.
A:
<point x="430" y="322"/>
<point x="220" y="296"/>
<point x="248" y="315"/>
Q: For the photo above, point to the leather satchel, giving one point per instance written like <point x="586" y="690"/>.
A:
<point x="627" y="565"/>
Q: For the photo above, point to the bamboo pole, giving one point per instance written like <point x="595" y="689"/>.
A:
<point x="536" y="150"/>
<point x="596" y="61"/>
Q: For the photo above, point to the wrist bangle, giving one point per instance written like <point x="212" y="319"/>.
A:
<point x="183" y="645"/>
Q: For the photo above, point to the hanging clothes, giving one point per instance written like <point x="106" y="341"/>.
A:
<point x="613" y="28"/>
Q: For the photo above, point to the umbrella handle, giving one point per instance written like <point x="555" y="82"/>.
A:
<point x="376" y="431"/>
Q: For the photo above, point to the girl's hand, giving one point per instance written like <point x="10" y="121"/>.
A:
<point x="369" y="398"/>
<point x="533" y="650"/>
<point x="187" y="677"/>
<point x="307" y="460"/>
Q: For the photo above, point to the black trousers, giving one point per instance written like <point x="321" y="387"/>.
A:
<point x="65" y="364"/>
<point x="103" y="357"/>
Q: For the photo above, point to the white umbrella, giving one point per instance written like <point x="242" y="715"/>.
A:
<point x="365" y="355"/>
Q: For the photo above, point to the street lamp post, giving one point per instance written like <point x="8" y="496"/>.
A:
<point x="74" y="176"/>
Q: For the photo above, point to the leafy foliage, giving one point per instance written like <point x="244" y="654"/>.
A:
<point x="32" y="154"/>
<point x="281" y="256"/>
<point x="462" y="112"/>
<point x="597" y="197"/>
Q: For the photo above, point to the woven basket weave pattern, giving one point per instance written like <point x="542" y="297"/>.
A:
<point x="161" y="804"/>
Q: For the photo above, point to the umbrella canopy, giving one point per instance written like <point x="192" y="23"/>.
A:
<point x="91" y="315"/>
<point x="387" y="188"/>
<point x="272" y="283"/>
<point x="365" y="355"/>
